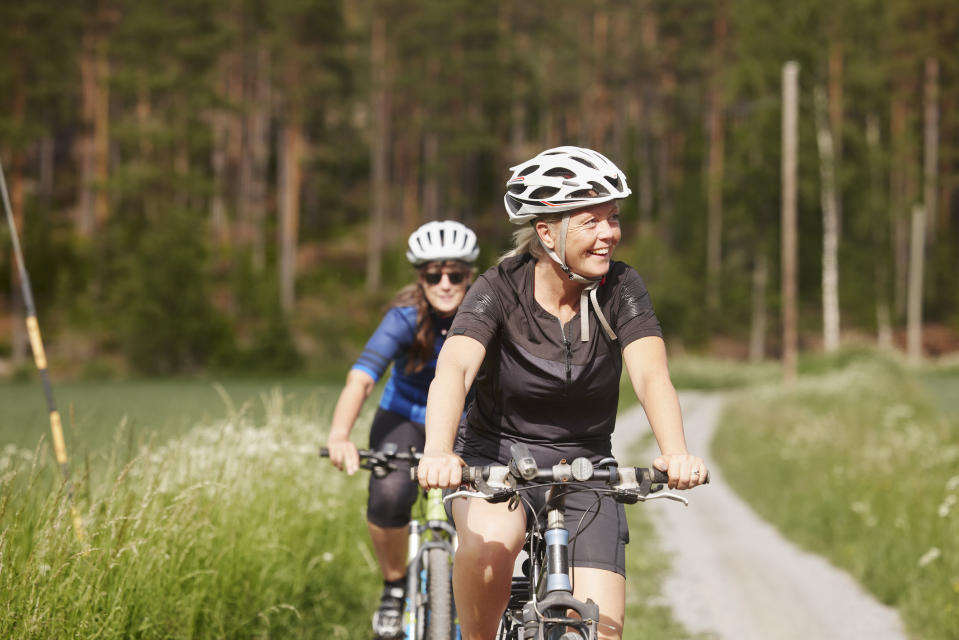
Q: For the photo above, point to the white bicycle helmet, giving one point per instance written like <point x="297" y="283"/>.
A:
<point x="442" y="240"/>
<point x="562" y="179"/>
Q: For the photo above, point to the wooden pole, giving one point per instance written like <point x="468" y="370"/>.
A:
<point x="40" y="358"/>
<point x="790" y="139"/>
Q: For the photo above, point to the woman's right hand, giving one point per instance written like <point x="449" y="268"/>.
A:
<point x="343" y="454"/>
<point x="439" y="470"/>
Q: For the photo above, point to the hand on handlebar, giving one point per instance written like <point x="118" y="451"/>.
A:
<point x="439" y="470"/>
<point x="680" y="468"/>
<point x="343" y="454"/>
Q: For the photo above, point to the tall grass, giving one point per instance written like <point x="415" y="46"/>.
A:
<point x="861" y="466"/>
<point x="235" y="530"/>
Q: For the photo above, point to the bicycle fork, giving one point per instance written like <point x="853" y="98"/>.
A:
<point x="548" y="617"/>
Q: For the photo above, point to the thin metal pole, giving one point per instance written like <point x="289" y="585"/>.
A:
<point x="40" y="358"/>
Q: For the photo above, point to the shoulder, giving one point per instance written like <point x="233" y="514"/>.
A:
<point x="509" y="270"/>
<point x="402" y="316"/>
<point x="625" y="281"/>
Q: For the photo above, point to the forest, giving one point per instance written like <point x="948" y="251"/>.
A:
<point x="227" y="185"/>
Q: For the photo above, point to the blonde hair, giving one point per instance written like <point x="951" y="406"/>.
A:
<point x="526" y="239"/>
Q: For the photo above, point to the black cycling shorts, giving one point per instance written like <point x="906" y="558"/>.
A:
<point x="598" y="531"/>
<point x="391" y="498"/>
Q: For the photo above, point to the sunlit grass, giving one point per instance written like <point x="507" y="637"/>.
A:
<point x="710" y="374"/>
<point x="861" y="466"/>
<point x="231" y="529"/>
<point x="234" y="530"/>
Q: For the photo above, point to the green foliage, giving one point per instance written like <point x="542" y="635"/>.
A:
<point x="168" y="322"/>
<point x="672" y="290"/>
<point x="706" y="374"/>
<point x="200" y="95"/>
<point x="859" y="465"/>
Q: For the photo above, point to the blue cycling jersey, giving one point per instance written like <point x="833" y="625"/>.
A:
<point x="405" y="393"/>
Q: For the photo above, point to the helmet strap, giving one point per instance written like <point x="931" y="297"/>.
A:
<point x="588" y="294"/>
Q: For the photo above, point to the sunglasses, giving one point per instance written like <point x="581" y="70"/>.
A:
<point x="434" y="277"/>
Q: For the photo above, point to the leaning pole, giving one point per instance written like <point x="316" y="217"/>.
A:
<point x="40" y="358"/>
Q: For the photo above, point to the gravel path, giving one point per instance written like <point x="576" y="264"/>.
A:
<point x="733" y="575"/>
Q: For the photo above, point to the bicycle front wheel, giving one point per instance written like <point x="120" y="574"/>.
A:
<point x="439" y="586"/>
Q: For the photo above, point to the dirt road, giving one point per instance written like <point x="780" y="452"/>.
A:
<point x="734" y="576"/>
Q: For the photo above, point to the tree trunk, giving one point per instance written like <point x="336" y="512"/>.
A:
<point x="790" y="275"/>
<point x="101" y="132"/>
<point x="431" y="162"/>
<point x="916" y="261"/>
<point x="830" y="225"/>
<point x="880" y="237"/>
<point x="46" y="155"/>
<point x="836" y="121"/>
<point x="757" y="329"/>
<point x="379" y="153"/>
<point x="900" y="199"/>
<point x="930" y="164"/>
<point x="18" y="337"/>
<point x="714" y="173"/>
<point x="291" y="182"/>
<point x="253" y="166"/>
<point x="86" y="163"/>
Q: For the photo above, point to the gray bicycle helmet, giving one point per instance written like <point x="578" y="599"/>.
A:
<point x="442" y="240"/>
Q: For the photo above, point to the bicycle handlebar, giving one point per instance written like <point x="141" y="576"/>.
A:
<point x="497" y="483"/>
<point x="381" y="462"/>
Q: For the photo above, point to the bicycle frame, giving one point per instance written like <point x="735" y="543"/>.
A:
<point x="548" y="596"/>
<point x="429" y="612"/>
<point x="435" y="532"/>
<point x="541" y="602"/>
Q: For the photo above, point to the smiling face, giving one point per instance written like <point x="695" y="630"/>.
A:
<point x="591" y="238"/>
<point x="436" y="279"/>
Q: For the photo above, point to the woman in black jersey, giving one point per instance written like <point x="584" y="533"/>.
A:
<point x="545" y="334"/>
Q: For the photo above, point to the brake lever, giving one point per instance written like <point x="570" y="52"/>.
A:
<point x="664" y="495"/>
<point x="463" y="493"/>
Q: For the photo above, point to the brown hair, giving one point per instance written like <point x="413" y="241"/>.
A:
<point x="424" y="342"/>
<point x="412" y="295"/>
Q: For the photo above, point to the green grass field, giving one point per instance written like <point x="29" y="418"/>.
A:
<point x="208" y="515"/>
<point x="862" y="466"/>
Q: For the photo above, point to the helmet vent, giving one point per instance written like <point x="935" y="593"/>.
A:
<point x="543" y="193"/>
<point x="516" y="188"/>
<point x="560" y="172"/>
<point x="584" y="193"/>
<point x="583" y="161"/>
<point x="614" y="181"/>
<point x="601" y="191"/>
<point x="528" y="170"/>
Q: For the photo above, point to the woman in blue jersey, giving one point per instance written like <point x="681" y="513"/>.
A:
<point x="409" y="337"/>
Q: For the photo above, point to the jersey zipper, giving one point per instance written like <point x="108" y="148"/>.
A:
<point x="569" y="357"/>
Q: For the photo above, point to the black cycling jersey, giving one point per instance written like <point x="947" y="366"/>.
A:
<point x="539" y="383"/>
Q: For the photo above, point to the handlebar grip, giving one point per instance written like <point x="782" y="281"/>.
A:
<point x="661" y="477"/>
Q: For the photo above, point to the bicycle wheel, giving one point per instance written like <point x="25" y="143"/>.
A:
<point x="439" y="586"/>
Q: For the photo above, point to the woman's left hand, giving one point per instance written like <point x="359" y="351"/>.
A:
<point x="685" y="471"/>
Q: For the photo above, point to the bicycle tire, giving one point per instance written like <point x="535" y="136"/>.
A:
<point x="439" y="586"/>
